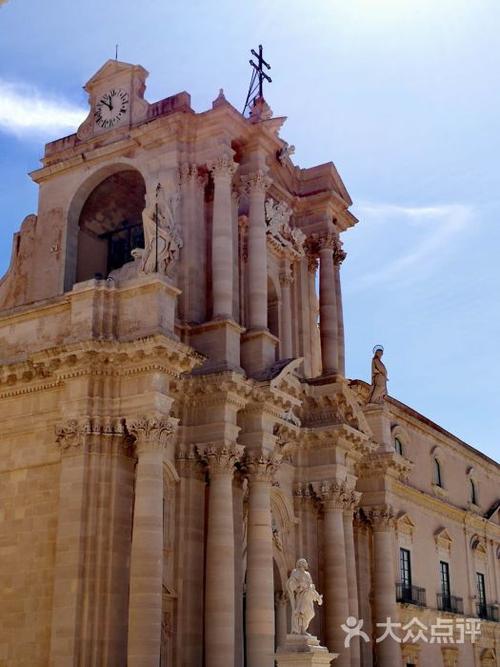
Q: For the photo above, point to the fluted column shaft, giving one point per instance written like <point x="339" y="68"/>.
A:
<point x="328" y="324"/>
<point x="222" y="238"/>
<point x="257" y="251"/>
<point x="281" y="618"/>
<point x="260" y="585"/>
<point x="220" y="580"/>
<point x="352" y="582"/>
<point x="338" y="257"/>
<point x="335" y="569"/>
<point x="388" y="651"/>
<point x="286" y="315"/>
<point x="146" y="560"/>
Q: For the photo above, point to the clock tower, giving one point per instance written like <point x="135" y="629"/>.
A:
<point x="116" y="98"/>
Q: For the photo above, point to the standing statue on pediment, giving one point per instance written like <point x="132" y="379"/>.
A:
<point x="302" y="594"/>
<point x="162" y="239"/>
<point x="379" y="376"/>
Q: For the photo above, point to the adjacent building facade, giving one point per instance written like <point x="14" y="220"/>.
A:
<point x="177" y="427"/>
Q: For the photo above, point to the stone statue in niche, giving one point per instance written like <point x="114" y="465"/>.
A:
<point x="302" y="595"/>
<point x="379" y="376"/>
<point x="162" y="239"/>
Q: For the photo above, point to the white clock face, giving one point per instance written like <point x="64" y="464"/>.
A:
<point x="111" y="107"/>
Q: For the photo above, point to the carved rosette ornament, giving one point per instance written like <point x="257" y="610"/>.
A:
<point x="223" y="167"/>
<point x="381" y="518"/>
<point x="221" y="459"/>
<point x="262" y="467"/>
<point x="152" y="433"/>
<point x="92" y="434"/>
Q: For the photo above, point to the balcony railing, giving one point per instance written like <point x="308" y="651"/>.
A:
<point x="450" y="603"/>
<point x="488" y="612"/>
<point x="410" y="595"/>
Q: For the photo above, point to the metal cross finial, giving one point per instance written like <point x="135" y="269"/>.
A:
<point x="116" y="51"/>
<point x="255" y="89"/>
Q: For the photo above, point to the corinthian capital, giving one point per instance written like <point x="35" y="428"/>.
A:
<point x="152" y="433"/>
<point x="262" y="468"/>
<point x="221" y="459"/>
<point x="338" y="253"/>
<point x="334" y="494"/>
<point x="327" y="241"/>
<point x="381" y="518"/>
<point x="223" y="167"/>
<point x="256" y="183"/>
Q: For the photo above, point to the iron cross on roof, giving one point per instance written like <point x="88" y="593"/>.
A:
<point x="258" y="76"/>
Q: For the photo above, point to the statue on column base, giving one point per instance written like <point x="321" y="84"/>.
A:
<point x="302" y="649"/>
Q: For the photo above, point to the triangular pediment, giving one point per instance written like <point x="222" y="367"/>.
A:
<point x="405" y="521"/>
<point x="112" y="68"/>
<point x="493" y="514"/>
<point x="443" y="538"/>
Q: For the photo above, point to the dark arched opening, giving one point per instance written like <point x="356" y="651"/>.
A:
<point x="110" y="225"/>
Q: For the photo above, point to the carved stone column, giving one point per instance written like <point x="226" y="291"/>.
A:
<point x="335" y="497"/>
<point x="257" y="251"/>
<point x="90" y="577"/>
<point x="313" y="312"/>
<point x="192" y="300"/>
<point x="352" y="499"/>
<point x="192" y="487"/>
<point x="338" y="257"/>
<point x="219" y="574"/>
<point x="146" y="561"/>
<point x="222" y="238"/>
<point x="384" y="589"/>
<point x="260" y="585"/>
<point x="328" y="311"/>
<point x="281" y="600"/>
<point x="286" y="280"/>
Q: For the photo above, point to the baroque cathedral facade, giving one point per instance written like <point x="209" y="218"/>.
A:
<point x="177" y="427"/>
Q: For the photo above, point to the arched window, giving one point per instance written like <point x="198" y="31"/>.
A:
<point x="473" y="493"/>
<point x="438" y="478"/>
<point x="398" y="446"/>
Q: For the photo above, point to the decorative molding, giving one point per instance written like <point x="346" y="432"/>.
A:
<point x="443" y="540"/>
<point x="92" y="435"/>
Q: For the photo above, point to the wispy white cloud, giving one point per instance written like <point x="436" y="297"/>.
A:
<point x="427" y="232"/>
<point x="25" y="110"/>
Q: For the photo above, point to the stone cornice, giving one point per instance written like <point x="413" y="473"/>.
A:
<point x="49" y="368"/>
<point x="389" y="464"/>
<point x="471" y="520"/>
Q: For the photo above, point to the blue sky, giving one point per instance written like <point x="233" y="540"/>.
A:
<point x="402" y="95"/>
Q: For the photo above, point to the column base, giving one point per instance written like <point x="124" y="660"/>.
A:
<point x="219" y="341"/>
<point x="303" y="651"/>
<point x="258" y="351"/>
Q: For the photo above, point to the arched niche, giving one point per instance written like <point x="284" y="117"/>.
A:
<point x="104" y="223"/>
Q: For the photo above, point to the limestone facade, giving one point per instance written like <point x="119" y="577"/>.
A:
<point x="177" y="427"/>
